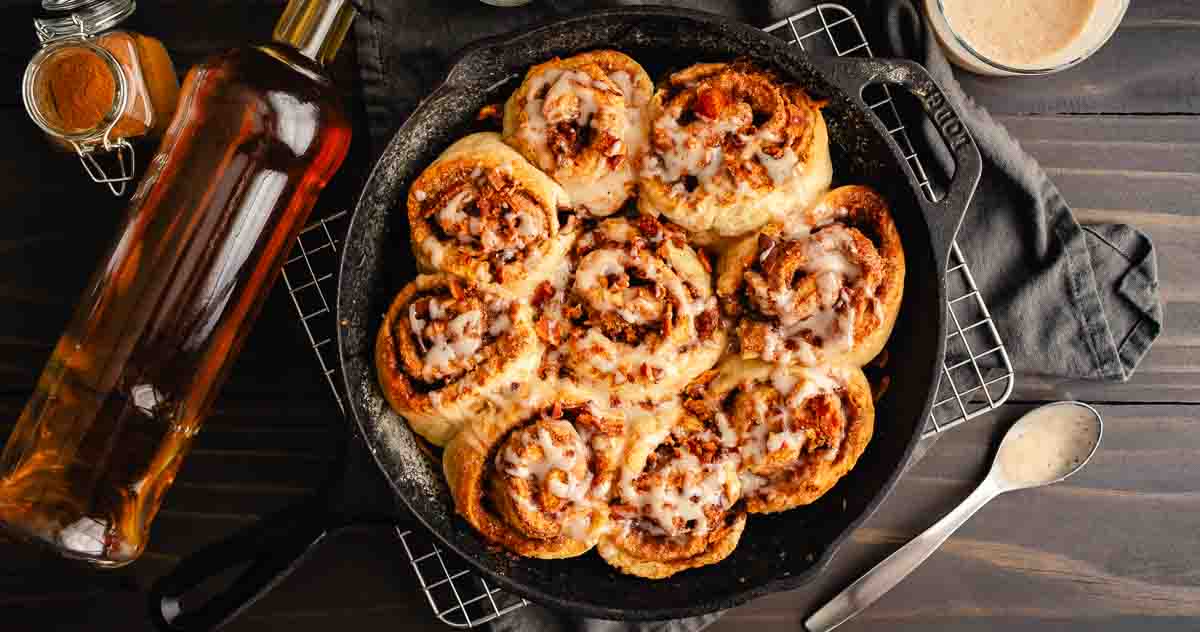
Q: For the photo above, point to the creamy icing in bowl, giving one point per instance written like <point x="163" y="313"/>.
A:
<point x="1022" y="37"/>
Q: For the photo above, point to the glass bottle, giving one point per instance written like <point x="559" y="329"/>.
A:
<point x="93" y="88"/>
<point x="259" y="132"/>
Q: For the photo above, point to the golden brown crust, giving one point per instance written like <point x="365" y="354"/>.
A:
<point x="580" y="120"/>
<point x="627" y="557"/>
<point x="731" y="148"/>
<point x="537" y="481"/>
<point x="638" y="319"/>
<point x="676" y="505"/>
<point x="797" y="430"/>
<point x="482" y="212"/>
<point x="437" y="374"/>
<point x="823" y="289"/>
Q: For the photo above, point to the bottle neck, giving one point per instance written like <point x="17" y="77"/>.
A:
<point x="315" y="28"/>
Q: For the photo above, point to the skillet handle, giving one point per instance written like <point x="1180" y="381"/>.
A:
<point x="944" y="216"/>
<point x="272" y="548"/>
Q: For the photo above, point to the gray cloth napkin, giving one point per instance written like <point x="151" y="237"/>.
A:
<point x="1068" y="301"/>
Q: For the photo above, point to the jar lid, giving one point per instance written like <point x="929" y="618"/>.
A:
<point x="66" y="18"/>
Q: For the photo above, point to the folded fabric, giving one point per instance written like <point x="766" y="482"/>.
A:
<point x="1089" y="294"/>
<point x="1068" y="301"/>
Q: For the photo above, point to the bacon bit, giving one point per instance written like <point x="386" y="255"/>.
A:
<point x="614" y="401"/>
<point x="541" y="294"/>
<point x="657" y="374"/>
<point x="624" y="511"/>
<point x="704" y="260"/>
<point x="546" y="330"/>
<point x="668" y="320"/>
<point x="649" y="226"/>
<point x="710" y="102"/>
<point x="706" y="324"/>
<point x="607" y="426"/>
<point x="705" y="450"/>
<point x="489" y="112"/>
<point x="645" y="371"/>
<point x="698" y="407"/>
<point x="556" y="411"/>
<point x="563" y="140"/>
<point x="456" y="289"/>
<point x="505" y="273"/>
<point x="881" y="388"/>
<point x="705" y="378"/>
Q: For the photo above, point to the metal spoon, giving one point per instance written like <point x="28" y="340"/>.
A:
<point x="1045" y="446"/>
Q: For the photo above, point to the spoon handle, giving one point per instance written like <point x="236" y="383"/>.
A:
<point x="898" y="565"/>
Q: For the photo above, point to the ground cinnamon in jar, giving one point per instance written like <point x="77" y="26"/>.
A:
<point x="80" y="88"/>
<point x="93" y="88"/>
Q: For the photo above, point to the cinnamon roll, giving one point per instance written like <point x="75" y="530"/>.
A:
<point x="537" y="482"/>
<point x="637" y="320"/>
<point x="796" y="430"/>
<point x="580" y="120"/>
<point x="732" y="147"/>
<point x="449" y="350"/>
<point x="824" y="288"/>
<point x="482" y="212"/>
<point x="676" y="504"/>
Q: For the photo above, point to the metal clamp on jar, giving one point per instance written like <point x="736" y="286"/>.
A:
<point x="93" y="89"/>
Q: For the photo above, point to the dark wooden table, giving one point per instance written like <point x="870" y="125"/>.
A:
<point x="1117" y="547"/>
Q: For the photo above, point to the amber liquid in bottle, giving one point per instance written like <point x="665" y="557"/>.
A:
<point x="258" y="134"/>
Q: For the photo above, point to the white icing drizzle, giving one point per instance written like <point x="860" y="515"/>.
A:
<point x="691" y="153"/>
<point x="452" y="212"/>
<point x="780" y="169"/>
<point x="553" y="457"/>
<point x="673" y="503"/>
<point x="460" y="340"/>
<point x="697" y="150"/>
<point x="729" y="435"/>
<point x="570" y="96"/>
<point x="773" y="430"/>
<point x="637" y="305"/>
<point x="828" y="263"/>
<point x="573" y="97"/>
<point x="435" y="250"/>
<point x="501" y="323"/>
<point x="574" y="482"/>
<point x="450" y="340"/>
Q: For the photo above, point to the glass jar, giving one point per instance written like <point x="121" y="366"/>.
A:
<point x="93" y="89"/>
<point x="1022" y="37"/>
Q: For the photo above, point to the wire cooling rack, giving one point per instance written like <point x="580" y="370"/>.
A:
<point x="978" y="375"/>
<point x="976" y="378"/>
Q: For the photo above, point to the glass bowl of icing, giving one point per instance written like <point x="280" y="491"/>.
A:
<point x="1022" y="37"/>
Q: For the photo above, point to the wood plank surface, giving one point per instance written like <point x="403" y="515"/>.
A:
<point x="1144" y="171"/>
<point x="1115" y="548"/>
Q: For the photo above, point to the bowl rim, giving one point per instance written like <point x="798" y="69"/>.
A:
<point x="979" y="57"/>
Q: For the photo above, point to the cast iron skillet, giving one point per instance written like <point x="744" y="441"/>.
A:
<point x="776" y="552"/>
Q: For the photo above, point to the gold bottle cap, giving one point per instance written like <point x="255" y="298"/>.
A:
<point x="316" y="28"/>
